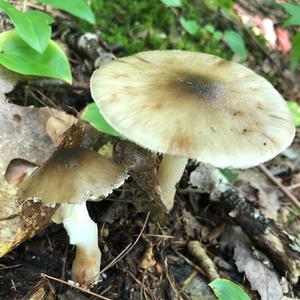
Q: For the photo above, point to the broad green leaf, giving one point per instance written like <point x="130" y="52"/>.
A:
<point x="225" y="289"/>
<point x="77" y="8"/>
<point x="189" y="26"/>
<point x="209" y="28"/>
<point x="17" y="56"/>
<point x="230" y="175"/>
<point x="294" y="11"/>
<point x="172" y="3"/>
<point x="236" y="44"/>
<point x="295" y="111"/>
<point x="93" y="115"/>
<point x="32" y="26"/>
<point x="295" y="53"/>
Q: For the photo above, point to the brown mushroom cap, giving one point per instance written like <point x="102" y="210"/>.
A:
<point x="71" y="176"/>
<point x="194" y="105"/>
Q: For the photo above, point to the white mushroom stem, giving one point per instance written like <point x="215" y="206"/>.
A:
<point x="169" y="173"/>
<point x="83" y="233"/>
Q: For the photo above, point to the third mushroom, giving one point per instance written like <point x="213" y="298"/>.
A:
<point x="193" y="105"/>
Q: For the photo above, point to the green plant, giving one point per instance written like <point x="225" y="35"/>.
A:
<point x="295" y="110"/>
<point x="294" y="20"/>
<point x="172" y="3"/>
<point x="190" y="26"/>
<point x="155" y="25"/>
<point x="93" y="115"/>
<point x="28" y="49"/>
<point x="78" y="8"/>
<point x="225" y="289"/>
<point x="236" y="44"/>
<point x="17" y="56"/>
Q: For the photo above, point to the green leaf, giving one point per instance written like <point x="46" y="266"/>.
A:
<point x="230" y="176"/>
<point x="17" y="56"/>
<point x="295" y="53"/>
<point x="295" y="111"/>
<point x="32" y="26"/>
<point x="236" y="44"/>
<point x="209" y="28"/>
<point x="172" y="3"/>
<point x="189" y="26"/>
<point x="294" y="11"/>
<point x="225" y="289"/>
<point x="93" y="115"/>
<point x="78" y="8"/>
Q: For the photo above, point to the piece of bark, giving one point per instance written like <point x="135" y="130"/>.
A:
<point x="89" y="45"/>
<point x="281" y="247"/>
<point x="141" y="165"/>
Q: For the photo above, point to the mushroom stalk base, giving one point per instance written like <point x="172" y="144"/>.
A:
<point x="169" y="173"/>
<point x="83" y="233"/>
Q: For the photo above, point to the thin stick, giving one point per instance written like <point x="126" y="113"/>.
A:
<point x="10" y="267"/>
<point x="189" y="262"/>
<point x="74" y="286"/>
<point x="141" y="284"/>
<point x="282" y="187"/>
<point x="294" y="186"/>
<point x="24" y="5"/>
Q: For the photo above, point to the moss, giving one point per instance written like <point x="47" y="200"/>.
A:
<point x="137" y="25"/>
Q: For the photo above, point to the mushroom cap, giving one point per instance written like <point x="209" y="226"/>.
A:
<point x="72" y="175"/>
<point x="194" y="105"/>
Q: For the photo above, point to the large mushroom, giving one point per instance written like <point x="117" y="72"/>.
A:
<point x="68" y="179"/>
<point x="193" y="105"/>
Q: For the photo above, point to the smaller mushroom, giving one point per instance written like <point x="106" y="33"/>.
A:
<point x="69" y="178"/>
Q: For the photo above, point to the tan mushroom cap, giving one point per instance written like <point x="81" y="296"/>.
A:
<point x="71" y="176"/>
<point x="194" y="105"/>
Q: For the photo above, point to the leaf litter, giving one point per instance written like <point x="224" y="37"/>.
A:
<point x="169" y="271"/>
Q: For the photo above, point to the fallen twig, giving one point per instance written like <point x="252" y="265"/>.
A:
<point x="198" y="251"/>
<point x="282" y="187"/>
<point x="74" y="286"/>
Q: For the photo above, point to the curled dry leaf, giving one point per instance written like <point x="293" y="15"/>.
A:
<point x="58" y="124"/>
<point x="261" y="278"/>
<point x="207" y="265"/>
<point x="148" y="261"/>
<point x="19" y="223"/>
<point x="9" y="216"/>
<point x="8" y="80"/>
<point x="42" y="290"/>
<point x="18" y="170"/>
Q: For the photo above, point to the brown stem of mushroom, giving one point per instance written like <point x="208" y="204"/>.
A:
<point x="83" y="233"/>
<point x="169" y="173"/>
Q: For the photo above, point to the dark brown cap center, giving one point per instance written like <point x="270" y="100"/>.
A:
<point x="201" y="87"/>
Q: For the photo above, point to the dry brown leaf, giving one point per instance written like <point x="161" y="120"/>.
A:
<point x="23" y="134"/>
<point x="148" y="261"/>
<point x="256" y="187"/>
<point x="261" y="278"/>
<point x="43" y="290"/>
<point x="19" y="223"/>
<point x="8" y="80"/>
<point x="58" y="124"/>
<point x="10" y="220"/>
<point x="18" y="170"/>
<point x="191" y="225"/>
